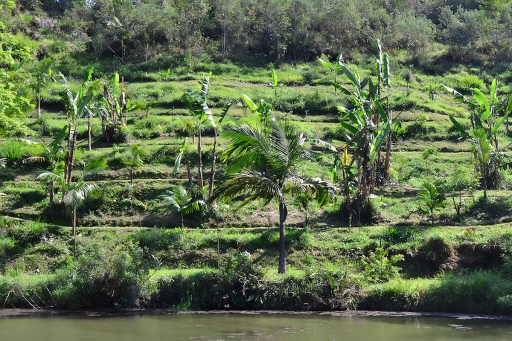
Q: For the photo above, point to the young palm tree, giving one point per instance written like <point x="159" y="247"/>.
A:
<point x="77" y="191"/>
<point x="42" y="74"/>
<point x="51" y="154"/>
<point x="198" y="108"/>
<point x="133" y="160"/>
<point x="263" y="163"/>
<point x="180" y="201"/>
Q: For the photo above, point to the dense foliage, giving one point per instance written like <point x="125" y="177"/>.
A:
<point x="264" y="31"/>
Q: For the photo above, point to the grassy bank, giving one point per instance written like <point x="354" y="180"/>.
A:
<point x="445" y="269"/>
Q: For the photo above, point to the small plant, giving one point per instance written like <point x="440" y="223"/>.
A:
<point x="180" y="201"/>
<point x="407" y="75"/>
<point x="431" y="199"/>
<point x="397" y="235"/>
<point x="429" y="151"/>
<point x="378" y="267"/>
<point x="433" y="90"/>
<point x="422" y="118"/>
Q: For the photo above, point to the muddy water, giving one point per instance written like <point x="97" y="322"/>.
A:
<point x="251" y="327"/>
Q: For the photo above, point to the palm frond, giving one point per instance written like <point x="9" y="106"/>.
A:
<point x="94" y="166"/>
<point x="323" y="191"/>
<point x="169" y="197"/>
<point x="252" y="183"/>
<point x="49" y="175"/>
<point x="77" y="193"/>
<point x="249" y="146"/>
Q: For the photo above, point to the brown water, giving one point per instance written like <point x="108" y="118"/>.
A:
<point x="250" y="327"/>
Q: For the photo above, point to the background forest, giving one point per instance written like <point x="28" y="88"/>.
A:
<point x="260" y="32"/>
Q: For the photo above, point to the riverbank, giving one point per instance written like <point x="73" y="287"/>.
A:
<point x="420" y="269"/>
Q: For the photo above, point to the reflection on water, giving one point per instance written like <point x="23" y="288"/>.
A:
<point x="250" y="327"/>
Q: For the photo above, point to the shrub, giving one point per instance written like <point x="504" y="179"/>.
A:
<point x="378" y="267"/>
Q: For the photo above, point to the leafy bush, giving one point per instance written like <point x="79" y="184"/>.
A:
<point x="378" y="267"/>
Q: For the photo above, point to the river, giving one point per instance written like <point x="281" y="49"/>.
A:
<point x="250" y="327"/>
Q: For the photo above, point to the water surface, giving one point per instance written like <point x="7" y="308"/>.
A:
<point x="250" y="327"/>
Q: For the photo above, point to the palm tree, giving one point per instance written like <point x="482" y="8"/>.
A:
<point x="263" y="163"/>
<point x="51" y="154"/>
<point x="42" y="74"/>
<point x="198" y="108"/>
<point x="180" y="201"/>
<point x="133" y="160"/>
<point x="77" y="191"/>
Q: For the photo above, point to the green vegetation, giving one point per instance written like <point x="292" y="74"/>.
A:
<point x="335" y="181"/>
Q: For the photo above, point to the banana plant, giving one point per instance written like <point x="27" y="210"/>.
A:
<point x="483" y="152"/>
<point x="177" y="164"/>
<point x="484" y="111"/>
<point x="225" y="110"/>
<point x="76" y="108"/>
<point x="116" y="107"/>
<point x="485" y="122"/>
<point x="197" y="106"/>
<point x="362" y="134"/>
<point x="432" y="198"/>
<point x="274" y="84"/>
<point x="165" y="74"/>
<point x="262" y="109"/>
<point x="384" y="80"/>
<point x="145" y="106"/>
<point x="333" y="67"/>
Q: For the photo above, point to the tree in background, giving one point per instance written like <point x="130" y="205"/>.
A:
<point x="14" y="97"/>
<point x="42" y="74"/>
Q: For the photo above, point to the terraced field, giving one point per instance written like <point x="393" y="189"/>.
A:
<point x="120" y="217"/>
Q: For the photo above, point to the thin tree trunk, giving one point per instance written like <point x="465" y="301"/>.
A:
<point x="485" y="184"/>
<point x="52" y="192"/>
<point x="189" y="174"/>
<point x="200" y="161"/>
<point x="38" y="105"/>
<point x="147" y="48"/>
<point x="71" y="157"/>
<point x="131" y="189"/>
<point x="66" y="165"/>
<point x="372" y="177"/>
<point x="387" y="161"/>
<point x="223" y="43"/>
<point x="282" y="240"/>
<point x="212" y="176"/>
<point x="74" y="230"/>
<point x="89" y="131"/>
